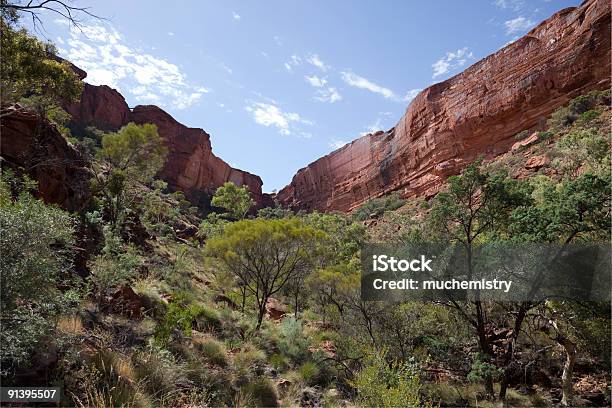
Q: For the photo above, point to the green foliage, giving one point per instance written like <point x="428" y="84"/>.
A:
<point x="378" y="206"/>
<point x="212" y="226"/>
<point x="477" y="202"/>
<point x="276" y="212"/>
<point x="266" y="254"/>
<point x="136" y="150"/>
<point x="344" y="236"/>
<point x="482" y="369"/>
<point x="262" y="393"/>
<point x="35" y="244"/>
<point x="565" y="211"/>
<point x="28" y="67"/>
<point x="309" y="371"/>
<point x="132" y="155"/>
<point x="213" y="351"/>
<point x="184" y="316"/>
<point x="583" y="151"/>
<point x="235" y="200"/>
<point x="567" y="115"/>
<point x="116" y="265"/>
<point x="384" y="384"/>
<point x="292" y="342"/>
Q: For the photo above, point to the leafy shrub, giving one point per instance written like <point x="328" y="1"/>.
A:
<point x="545" y="135"/>
<point x="378" y="206"/>
<point x="292" y="342"/>
<point x="184" y="315"/>
<point x="482" y="369"/>
<point x="309" y="372"/>
<point x="35" y="242"/>
<point x="213" y="351"/>
<point x="278" y="361"/>
<point x="248" y="361"/>
<point x="588" y="116"/>
<point x="262" y="393"/>
<point x="116" y="265"/>
<point x="380" y="384"/>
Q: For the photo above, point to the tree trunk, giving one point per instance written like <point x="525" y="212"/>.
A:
<point x="568" y="370"/>
<point x="262" y="312"/>
<point x="509" y="354"/>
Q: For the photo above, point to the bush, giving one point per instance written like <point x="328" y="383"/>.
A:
<point x="184" y="317"/>
<point x="261" y="393"/>
<point x="247" y="361"/>
<point x="213" y="351"/>
<point x="378" y="206"/>
<point x="35" y="248"/>
<point x="381" y="384"/>
<point x="309" y="372"/>
<point x="588" y="116"/>
<point x="292" y="342"/>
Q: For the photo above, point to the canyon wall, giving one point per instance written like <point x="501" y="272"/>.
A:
<point x="475" y="113"/>
<point x="191" y="166"/>
<point x="32" y="144"/>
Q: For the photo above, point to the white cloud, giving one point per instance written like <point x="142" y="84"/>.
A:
<point x="515" y="5"/>
<point x="294" y="61"/>
<point x="269" y="114"/>
<point x="236" y="16"/>
<point x="411" y="94"/>
<point x="314" y="60"/>
<point x="518" y="25"/>
<point x="227" y="69"/>
<point x="381" y="123"/>
<point x="330" y="95"/>
<point x="109" y="60"/>
<point x="278" y="40"/>
<point x="336" y="144"/>
<point x="170" y="33"/>
<point x="360" y="82"/>
<point x="452" y="60"/>
<point x="316" y="81"/>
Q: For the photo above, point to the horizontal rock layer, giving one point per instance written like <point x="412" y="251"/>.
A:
<point x="191" y="166"/>
<point x="475" y="113"/>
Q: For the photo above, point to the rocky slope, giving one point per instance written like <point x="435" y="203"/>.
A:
<point x="477" y="112"/>
<point x="34" y="145"/>
<point x="191" y="166"/>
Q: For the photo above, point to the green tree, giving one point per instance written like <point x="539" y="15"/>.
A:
<point x="36" y="247"/>
<point x="128" y="157"/>
<point x="236" y="201"/>
<point x="265" y="255"/>
<point x="477" y="204"/>
<point x="29" y="67"/>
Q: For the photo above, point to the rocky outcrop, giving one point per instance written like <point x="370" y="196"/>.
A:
<point x="191" y="166"/>
<point x="475" y="113"/>
<point x="33" y="145"/>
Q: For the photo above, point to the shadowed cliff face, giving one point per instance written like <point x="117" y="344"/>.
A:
<point x="32" y="144"/>
<point x="476" y="113"/>
<point x="191" y="166"/>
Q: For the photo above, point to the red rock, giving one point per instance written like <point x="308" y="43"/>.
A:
<point x="34" y="145"/>
<point x="536" y="162"/>
<point x="275" y="309"/>
<point x="525" y="142"/>
<point x="191" y="166"/>
<point x="126" y="301"/>
<point x="475" y="113"/>
<point x="101" y="107"/>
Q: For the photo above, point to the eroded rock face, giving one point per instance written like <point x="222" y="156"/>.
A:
<point x="475" y="113"/>
<point x="33" y="145"/>
<point x="191" y="166"/>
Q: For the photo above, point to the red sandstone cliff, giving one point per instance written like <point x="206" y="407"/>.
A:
<point x="191" y="166"/>
<point x="34" y="145"/>
<point x="474" y="113"/>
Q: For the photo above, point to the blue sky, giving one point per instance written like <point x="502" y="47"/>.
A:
<point x="280" y="83"/>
